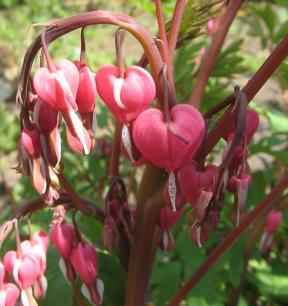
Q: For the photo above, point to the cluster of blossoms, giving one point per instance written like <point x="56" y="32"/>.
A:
<point x="77" y="257"/>
<point x="203" y="187"/>
<point x="26" y="267"/>
<point x="170" y="139"/>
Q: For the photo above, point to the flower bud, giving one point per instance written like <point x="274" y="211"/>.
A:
<point x="30" y="141"/>
<point x="62" y="236"/>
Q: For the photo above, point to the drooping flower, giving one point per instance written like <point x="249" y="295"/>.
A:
<point x="84" y="260"/>
<point x="37" y="246"/>
<point x="59" y="87"/>
<point x="193" y="180"/>
<point x="62" y="236"/>
<point x="31" y="152"/>
<point x="272" y="222"/>
<point x="238" y="185"/>
<point x="25" y="268"/>
<point x="126" y="97"/>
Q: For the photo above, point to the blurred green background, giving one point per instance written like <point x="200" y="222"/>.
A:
<point x="258" y="28"/>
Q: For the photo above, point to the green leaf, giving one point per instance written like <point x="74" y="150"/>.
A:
<point x="278" y="121"/>
<point x="167" y="278"/>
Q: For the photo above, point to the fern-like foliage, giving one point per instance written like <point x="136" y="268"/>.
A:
<point x="196" y="15"/>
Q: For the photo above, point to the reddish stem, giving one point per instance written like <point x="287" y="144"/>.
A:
<point x="162" y="32"/>
<point x="175" y="27"/>
<point x="18" y="240"/>
<point x="77" y="296"/>
<point x="50" y="63"/>
<point x="79" y="203"/>
<point x="83" y="57"/>
<point x="115" y="156"/>
<point x="164" y="49"/>
<point x="233" y="236"/>
<point x="149" y="202"/>
<point x="209" y="60"/>
<point x="119" y="56"/>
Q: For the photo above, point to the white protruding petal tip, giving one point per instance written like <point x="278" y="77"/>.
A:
<point x="117" y="92"/>
<point x="100" y="288"/>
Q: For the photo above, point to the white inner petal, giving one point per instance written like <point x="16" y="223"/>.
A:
<point x="86" y="292"/>
<point x="172" y="189"/>
<point x="127" y="142"/>
<point x="165" y="240"/>
<point x="60" y="77"/>
<point x="117" y="92"/>
<point x="78" y="127"/>
<point x="3" y="295"/>
<point x="94" y="122"/>
<point x="198" y="236"/>
<point x="100" y="288"/>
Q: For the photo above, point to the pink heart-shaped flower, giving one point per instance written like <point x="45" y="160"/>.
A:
<point x="169" y="148"/>
<point x="86" y="92"/>
<point x="24" y="269"/>
<point x="9" y="294"/>
<point x="192" y="180"/>
<point x="126" y="97"/>
<point x="62" y="236"/>
<point x="252" y="123"/>
<point x="167" y="217"/>
<point x="45" y="116"/>
<point x="84" y="260"/>
<point x="58" y="88"/>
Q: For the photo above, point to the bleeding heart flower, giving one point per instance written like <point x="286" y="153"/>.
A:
<point x="252" y="123"/>
<point x="31" y="152"/>
<point x="84" y="260"/>
<point x="62" y="236"/>
<point x="126" y="97"/>
<point x="25" y="269"/>
<point x="180" y="198"/>
<point x="30" y="141"/>
<point x="9" y="294"/>
<point x="36" y="247"/>
<point x="87" y="92"/>
<point x="199" y="234"/>
<point x="272" y="222"/>
<point x="167" y="217"/>
<point x="41" y="238"/>
<point x="167" y="241"/>
<point x="45" y="116"/>
<point x="169" y="147"/>
<point x="240" y="153"/>
<point x="47" y="119"/>
<point x="2" y="273"/>
<point x="212" y="26"/>
<point x="59" y="88"/>
<point x="78" y="137"/>
<point x="192" y="180"/>
<point x="238" y="185"/>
